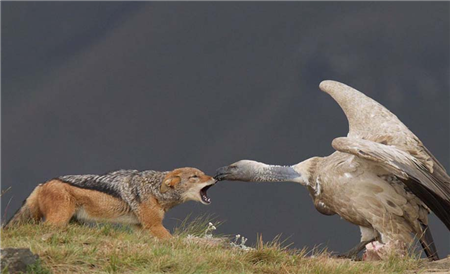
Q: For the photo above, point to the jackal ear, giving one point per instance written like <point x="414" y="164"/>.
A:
<point x="169" y="183"/>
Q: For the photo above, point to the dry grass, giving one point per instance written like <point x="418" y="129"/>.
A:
<point x="110" y="249"/>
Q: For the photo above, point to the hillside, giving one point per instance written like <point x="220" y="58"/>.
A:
<point x="110" y="249"/>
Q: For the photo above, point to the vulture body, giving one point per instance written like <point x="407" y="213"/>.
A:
<point x="381" y="177"/>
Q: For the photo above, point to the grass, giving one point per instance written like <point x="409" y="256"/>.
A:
<point x="111" y="249"/>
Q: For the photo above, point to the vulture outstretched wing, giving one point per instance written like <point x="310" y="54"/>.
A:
<point x="432" y="188"/>
<point x="370" y="120"/>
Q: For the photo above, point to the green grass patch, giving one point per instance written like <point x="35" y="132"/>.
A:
<point x="114" y="249"/>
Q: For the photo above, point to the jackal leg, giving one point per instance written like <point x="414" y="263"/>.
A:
<point x="150" y="215"/>
<point x="56" y="204"/>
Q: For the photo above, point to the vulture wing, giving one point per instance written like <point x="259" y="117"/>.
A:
<point x="433" y="188"/>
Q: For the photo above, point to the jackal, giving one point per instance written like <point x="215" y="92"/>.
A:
<point x="124" y="196"/>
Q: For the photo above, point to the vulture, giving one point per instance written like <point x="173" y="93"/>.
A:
<point x="381" y="177"/>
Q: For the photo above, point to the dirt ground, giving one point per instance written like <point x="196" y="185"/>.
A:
<point x="437" y="267"/>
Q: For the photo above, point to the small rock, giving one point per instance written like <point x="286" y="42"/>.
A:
<point x="17" y="259"/>
<point x="47" y="236"/>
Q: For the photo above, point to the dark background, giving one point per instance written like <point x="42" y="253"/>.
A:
<point x="91" y="87"/>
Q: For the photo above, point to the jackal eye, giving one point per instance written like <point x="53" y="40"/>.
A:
<point x="193" y="176"/>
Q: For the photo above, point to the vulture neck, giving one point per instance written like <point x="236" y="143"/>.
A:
<point x="274" y="173"/>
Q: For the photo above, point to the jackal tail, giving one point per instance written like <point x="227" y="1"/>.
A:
<point x="28" y="211"/>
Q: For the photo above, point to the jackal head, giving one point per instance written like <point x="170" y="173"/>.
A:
<point x="192" y="184"/>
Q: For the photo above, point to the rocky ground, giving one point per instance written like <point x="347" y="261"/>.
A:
<point x="437" y="267"/>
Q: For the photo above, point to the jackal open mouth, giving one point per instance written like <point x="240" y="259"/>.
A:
<point x="204" y="195"/>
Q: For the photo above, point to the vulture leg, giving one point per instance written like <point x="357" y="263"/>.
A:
<point x="353" y="253"/>
<point x="368" y="235"/>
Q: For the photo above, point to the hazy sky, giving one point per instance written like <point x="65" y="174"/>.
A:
<point x="90" y="87"/>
